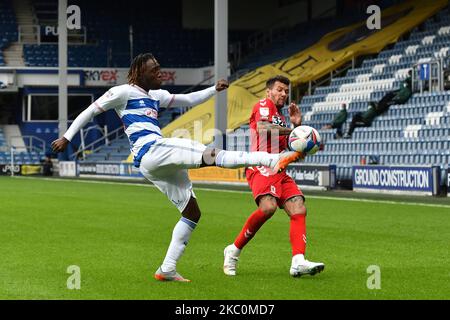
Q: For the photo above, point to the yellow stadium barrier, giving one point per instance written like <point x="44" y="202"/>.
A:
<point x="27" y="170"/>
<point x="129" y="159"/>
<point x="215" y="174"/>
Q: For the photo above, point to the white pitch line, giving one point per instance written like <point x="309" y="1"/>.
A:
<point x="238" y="191"/>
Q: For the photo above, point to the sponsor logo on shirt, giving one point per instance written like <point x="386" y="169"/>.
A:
<point x="264" y="112"/>
<point x="273" y="190"/>
<point x="152" y="113"/>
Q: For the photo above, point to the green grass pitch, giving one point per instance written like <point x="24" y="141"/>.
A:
<point x="118" y="235"/>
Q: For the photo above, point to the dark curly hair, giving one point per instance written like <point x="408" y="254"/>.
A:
<point x="137" y="67"/>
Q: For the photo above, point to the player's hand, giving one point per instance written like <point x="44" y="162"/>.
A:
<point x="59" y="145"/>
<point x="222" y="85"/>
<point x="295" y="114"/>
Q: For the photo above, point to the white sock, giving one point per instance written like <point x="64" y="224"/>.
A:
<point x="236" y="250"/>
<point x="236" y="159"/>
<point x="180" y="237"/>
<point x="298" y="258"/>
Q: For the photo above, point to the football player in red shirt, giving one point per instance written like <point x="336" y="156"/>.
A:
<point x="270" y="189"/>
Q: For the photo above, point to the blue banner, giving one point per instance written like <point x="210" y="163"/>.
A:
<point x="99" y="168"/>
<point x="110" y="168"/>
<point x="320" y="176"/>
<point x="402" y="179"/>
<point x="129" y="170"/>
<point x="424" y="71"/>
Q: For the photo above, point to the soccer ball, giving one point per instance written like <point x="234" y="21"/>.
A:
<point x="304" y="139"/>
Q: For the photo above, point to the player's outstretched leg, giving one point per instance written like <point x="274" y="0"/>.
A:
<point x="235" y="159"/>
<point x="188" y="154"/>
<point x="296" y="210"/>
<point x="266" y="209"/>
<point x="286" y="158"/>
<point x="180" y="238"/>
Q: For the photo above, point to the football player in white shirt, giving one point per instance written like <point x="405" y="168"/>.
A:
<point x="164" y="161"/>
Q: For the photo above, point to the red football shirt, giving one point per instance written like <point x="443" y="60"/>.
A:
<point x="265" y="110"/>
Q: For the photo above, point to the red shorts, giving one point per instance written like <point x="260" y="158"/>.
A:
<point x="279" y="185"/>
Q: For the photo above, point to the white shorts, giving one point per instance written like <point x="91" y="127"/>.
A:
<point x="166" y="164"/>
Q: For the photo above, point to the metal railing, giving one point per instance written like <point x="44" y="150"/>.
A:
<point x="29" y="31"/>
<point x="32" y="143"/>
<point x="446" y="73"/>
<point x="428" y="76"/>
<point x="99" y="143"/>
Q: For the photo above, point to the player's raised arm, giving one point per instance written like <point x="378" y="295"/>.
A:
<point x="111" y="99"/>
<point x="197" y="97"/>
<point x="59" y="145"/>
<point x="295" y="115"/>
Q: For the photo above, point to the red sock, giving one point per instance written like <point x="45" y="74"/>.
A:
<point x="251" y="226"/>
<point x="297" y="234"/>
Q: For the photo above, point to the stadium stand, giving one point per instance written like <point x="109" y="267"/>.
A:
<point x="118" y="150"/>
<point x="289" y="43"/>
<point x="8" y="28"/>
<point x="414" y="133"/>
<point x="46" y="55"/>
<point x="21" y="156"/>
<point x="2" y="139"/>
<point x="107" y="41"/>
